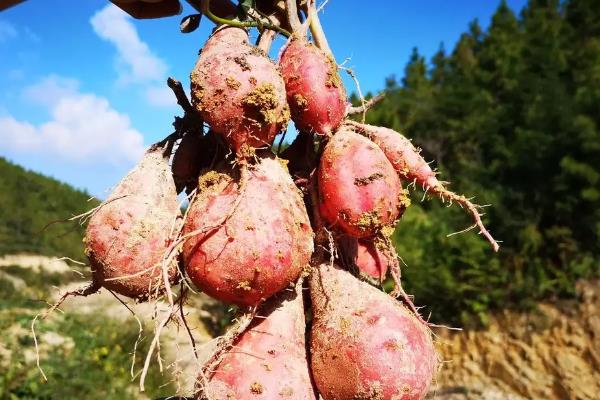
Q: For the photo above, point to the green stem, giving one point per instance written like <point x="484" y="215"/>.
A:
<point x="240" y="24"/>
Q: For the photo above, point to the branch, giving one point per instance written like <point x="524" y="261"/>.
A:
<point x="351" y="110"/>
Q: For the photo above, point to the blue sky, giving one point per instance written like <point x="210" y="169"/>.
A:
<point x="82" y="88"/>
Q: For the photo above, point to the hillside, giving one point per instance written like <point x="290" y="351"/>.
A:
<point x="30" y="201"/>
<point x="551" y="353"/>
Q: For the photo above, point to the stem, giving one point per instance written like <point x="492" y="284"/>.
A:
<point x="240" y="24"/>
<point x="265" y="40"/>
<point x="292" y="15"/>
<point x="316" y="29"/>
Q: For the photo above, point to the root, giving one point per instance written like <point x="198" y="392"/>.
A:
<point x="265" y="40"/>
<point x="85" y="291"/>
<point x="153" y="345"/>
<point x="399" y="290"/>
<point x="350" y="110"/>
<point x="473" y="209"/>
<point x="181" y="97"/>
<point x="90" y="289"/>
<point x="83" y="217"/>
<point x="141" y="330"/>
<point x="363" y="103"/>
<point x="281" y="143"/>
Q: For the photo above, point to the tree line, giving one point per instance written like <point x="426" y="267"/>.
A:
<point x="511" y="114"/>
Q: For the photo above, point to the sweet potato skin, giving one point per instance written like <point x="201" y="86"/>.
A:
<point x="131" y="231"/>
<point x="239" y="91"/>
<point x="269" y="360"/>
<point x="367" y="257"/>
<point x="364" y="344"/>
<point x="359" y="190"/>
<point x="260" y="248"/>
<point x="403" y="155"/>
<point x="315" y="92"/>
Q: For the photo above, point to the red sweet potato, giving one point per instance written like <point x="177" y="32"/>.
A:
<point x="269" y="360"/>
<point x="411" y="167"/>
<point x="359" y="190"/>
<point x="239" y="91"/>
<point x="364" y="344"/>
<point x="250" y="237"/>
<point x="403" y="155"/>
<point x="369" y="257"/>
<point x="315" y="92"/>
<point x="129" y="234"/>
<point x="194" y="153"/>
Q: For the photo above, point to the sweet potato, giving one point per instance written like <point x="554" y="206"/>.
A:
<point x="129" y="234"/>
<point x="369" y="257"/>
<point x="194" y="153"/>
<point x="315" y="92"/>
<point x="403" y="155"/>
<point x="364" y="344"/>
<point x="269" y="360"/>
<point x="239" y="91"/>
<point x="411" y="167"/>
<point x="250" y="235"/>
<point x="359" y="190"/>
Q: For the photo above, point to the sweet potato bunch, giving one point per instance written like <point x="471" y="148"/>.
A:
<point x="259" y="221"/>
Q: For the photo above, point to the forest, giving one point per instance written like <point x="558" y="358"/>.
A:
<point x="34" y="210"/>
<point x="511" y="114"/>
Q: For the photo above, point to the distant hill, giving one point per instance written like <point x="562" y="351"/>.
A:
<point x="30" y="201"/>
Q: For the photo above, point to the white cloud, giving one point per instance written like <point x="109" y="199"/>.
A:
<point x="160" y="96"/>
<point x="51" y="88"/>
<point x="136" y="62"/>
<point x="7" y="31"/>
<point x="84" y="128"/>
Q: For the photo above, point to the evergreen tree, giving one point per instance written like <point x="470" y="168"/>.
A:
<point x="512" y="115"/>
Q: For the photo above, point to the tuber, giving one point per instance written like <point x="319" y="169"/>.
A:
<point x="249" y="235"/>
<point x="358" y="187"/>
<point x="411" y="167"/>
<point x="315" y="92"/>
<point x="364" y="344"/>
<point x="130" y="233"/>
<point x="239" y="91"/>
<point x="269" y="360"/>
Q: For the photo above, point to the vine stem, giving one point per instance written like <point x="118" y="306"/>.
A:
<point x="240" y="24"/>
<point x="265" y="40"/>
<point x="292" y="15"/>
<point x="316" y="29"/>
